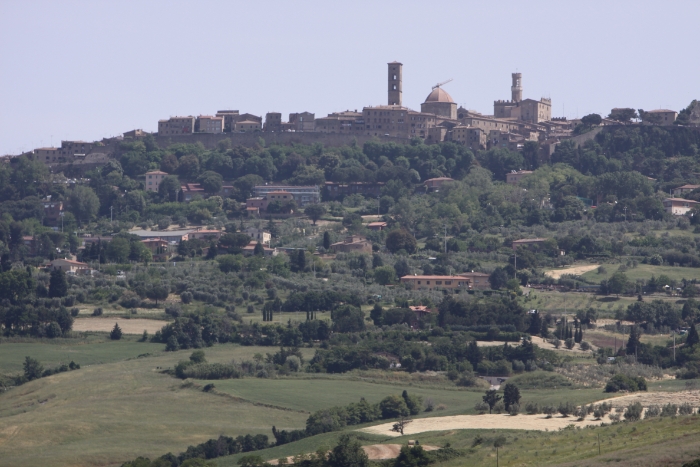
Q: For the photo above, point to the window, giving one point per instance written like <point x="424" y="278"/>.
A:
<point x="438" y="282"/>
<point x="427" y="282"/>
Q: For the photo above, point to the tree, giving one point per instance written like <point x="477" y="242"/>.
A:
<point x="83" y="203"/>
<point x="511" y="395"/>
<point x="491" y="398"/>
<point x="169" y="188"/>
<point x="401" y="424"/>
<point x="32" y="368"/>
<point x="116" y="332"/>
<point x="377" y="314"/>
<point x="259" y="250"/>
<point x="348" y="318"/>
<point x="400" y="240"/>
<point x="617" y="283"/>
<point x="158" y="292"/>
<point x="591" y="119"/>
<point x="498" y="278"/>
<point x="402" y="268"/>
<point x="58" y="285"/>
<point x="623" y="115"/>
<point x="348" y="453"/>
<point x="315" y="212"/>
<point x="393" y="407"/>
<point x="384" y="275"/>
<point x="118" y="250"/>
<point x="412" y="456"/>
<point x="326" y="240"/>
<point x="633" y="341"/>
<point x="212" y="182"/>
<point x="692" y="338"/>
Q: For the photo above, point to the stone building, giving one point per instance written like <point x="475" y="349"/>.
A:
<point x="247" y="126"/>
<point x="516" y="108"/>
<point x="154" y="179"/>
<point x="229" y="117"/>
<point x="209" y="124"/>
<point x="303" y="195"/>
<point x="303" y="121"/>
<point x="347" y="122"/>
<point x="176" y="126"/>
<point x="395" y="81"/>
<point x="273" y="122"/>
<point x="666" y="117"/>
<point x="474" y="137"/>
<point x="436" y="282"/>
<point x="439" y="103"/>
<point x="514" y="177"/>
<point x="352" y="244"/>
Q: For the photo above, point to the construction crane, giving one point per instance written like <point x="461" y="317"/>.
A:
<point x="441" y="84"/>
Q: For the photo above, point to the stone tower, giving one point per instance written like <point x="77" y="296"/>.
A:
<point x="395" y="93"/>
<point x="516" y="89"/>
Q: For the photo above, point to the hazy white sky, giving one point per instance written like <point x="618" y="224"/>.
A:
<point x="93" y="69"/>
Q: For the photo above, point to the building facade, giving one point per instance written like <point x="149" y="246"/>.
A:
<point x="209" y="124"/>
<point x="436" y="282"/>
<point x="176" y="126"/>
<point x="679" y="206"/>
<point x="154" y="179"/>
<point x="302" y="195"/>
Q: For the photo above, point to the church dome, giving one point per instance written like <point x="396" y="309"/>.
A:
<point x="439" y="95"/>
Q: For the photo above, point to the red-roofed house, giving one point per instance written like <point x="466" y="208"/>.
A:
<point x="189" y="190"/>
<point x="681" y="190"/>
<point x="679" y="206"/>
<point x="376" y="226"/>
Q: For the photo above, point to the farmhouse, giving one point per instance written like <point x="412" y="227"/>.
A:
<point x="436" y="282"/>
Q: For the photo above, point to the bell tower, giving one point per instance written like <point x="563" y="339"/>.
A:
<point x="516" y="89"/>
<point x="395" y="91"/>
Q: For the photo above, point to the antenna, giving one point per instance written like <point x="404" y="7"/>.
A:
<point x="442" y="84"/>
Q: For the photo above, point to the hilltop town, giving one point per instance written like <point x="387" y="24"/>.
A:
<point x="411" y="287"/>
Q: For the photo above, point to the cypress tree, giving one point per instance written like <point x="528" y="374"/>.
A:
<point x="301" y="260"/>
<point x="693" y="337"/>
<point x="326" y="240"/>
<point x="544" y="332"/>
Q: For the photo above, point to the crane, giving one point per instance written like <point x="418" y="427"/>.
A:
<point x="441" y="84"/>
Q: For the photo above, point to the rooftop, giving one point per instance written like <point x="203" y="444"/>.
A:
<point x="439" y="95"/>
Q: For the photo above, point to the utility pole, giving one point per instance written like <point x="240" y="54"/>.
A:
<point x="515" y="264"/>
<point x="625" y="209"/>
<point x="445" y="238"/>
<point x="111" y="216"/>
<point x="674" y="345"/>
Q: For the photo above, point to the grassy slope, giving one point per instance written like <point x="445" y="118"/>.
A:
<point x="668" y="442"/>
<point x="106" y="414"/>
<point x="643" y="271"/>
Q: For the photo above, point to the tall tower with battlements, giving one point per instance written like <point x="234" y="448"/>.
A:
<point x="516" y="90"/>
<point x="395" y="92"/>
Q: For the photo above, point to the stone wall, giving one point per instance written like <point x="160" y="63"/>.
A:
<point x="210" y="141"/>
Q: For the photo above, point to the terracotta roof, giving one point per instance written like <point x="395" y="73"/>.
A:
<point x="689" y="186"/>
<point x="156" y="172"/>
<point x="77" y="263"/>
<point x="439" y="178"/>
<point x="376" y="224"/>
<point x="439" y="95"/>
<point x="681" y="199"/>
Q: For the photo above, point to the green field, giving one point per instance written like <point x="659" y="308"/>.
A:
<point x="644" y="271"/>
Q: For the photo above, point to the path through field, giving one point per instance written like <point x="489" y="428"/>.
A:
<point x="128" y="326"/>
<point x="374" y="452"/>
<point x="575" y="271"/>
<point x="533" y="422"/>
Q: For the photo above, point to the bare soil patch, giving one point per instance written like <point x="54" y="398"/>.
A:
<point x="373" y="451"/>
<point x="486" y="421"/>
<point x="656" y="398"/>
<point x="128" y="326"/>
<point x="574" y="271"/>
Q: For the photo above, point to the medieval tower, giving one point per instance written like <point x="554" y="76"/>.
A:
<point x="395" y="92"/>
<point x="516" y="89"/>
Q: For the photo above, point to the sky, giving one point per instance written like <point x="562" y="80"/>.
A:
<point x="86" y="70"/>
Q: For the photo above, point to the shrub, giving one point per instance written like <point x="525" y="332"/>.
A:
<point x="532" y="408"/>
<point x="441" y="407"/>
<point x="97" y="312"/>
<point x="514" y="409"/>
<point x="669" y="410"/>
<point x="198" y="356"/>
<point x="653" y="411"/>
<point x="626" y="383"/>
<point x="570" y="343"/>
<point x="566" y="408"/>
<point x="685" y="409"/>
<point x="186" y="297"/>
<point x="74" y="312"/>
<point x="585" y="346"/>
<point x="429" y="405"/>
<point x="499" y="407"/>
<point x="481" y="407"/>
<point x="208" y="387"/>
<point x="614" y="417"/>
<point x="634" y="412"/>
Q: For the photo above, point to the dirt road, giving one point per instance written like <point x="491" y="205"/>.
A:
<point x="576" y="271"/>
<point x="128" y="326"/>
